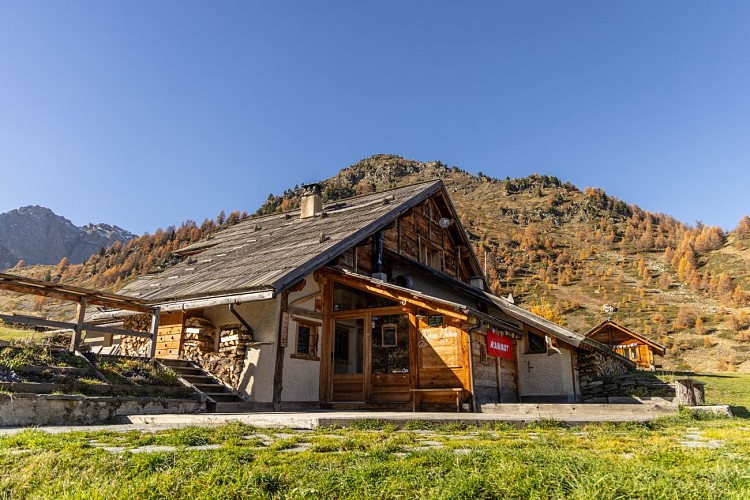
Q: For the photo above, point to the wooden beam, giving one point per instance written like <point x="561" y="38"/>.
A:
<point x="20" y="284"/>
<point x="154" y="333"/>
<point x="298" y="311"/>
<point x="75" y="341"/>
<point x="374" y="289"/>
<point x="115" y="331"/>
<point x="34" y="321"/>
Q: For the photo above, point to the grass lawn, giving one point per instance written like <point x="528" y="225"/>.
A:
<point x="675" y="457"/>
<point x="731" y="389"/>
<point x="11" y="334"/>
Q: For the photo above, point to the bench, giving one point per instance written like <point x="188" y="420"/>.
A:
<point x="458" y="392"/>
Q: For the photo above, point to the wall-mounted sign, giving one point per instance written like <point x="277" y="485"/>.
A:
<point x="435" y="320"/>
<point x="499" y="346"/>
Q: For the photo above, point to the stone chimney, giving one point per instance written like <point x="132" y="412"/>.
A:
<point x="311" y="202"/>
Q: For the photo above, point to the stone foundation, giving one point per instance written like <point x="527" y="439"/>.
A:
<point x="49" y="409"/>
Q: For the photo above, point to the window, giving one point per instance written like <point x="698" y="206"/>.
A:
<point x="483" y="354"/>
<point x="306" y="345"/>
<point x="535" y="344"/>
<point x="431" y="256"/>
<point x="346" y="298"/>
<point x="390" y="343"/>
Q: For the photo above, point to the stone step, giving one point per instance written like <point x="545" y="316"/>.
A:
<point x="213" y="388"/>
<point x="236" y="407"/>
<point x="561" y="411"/>
<point x="200" y="379"/>
<point x="224" y="397"/>
<point x="177" y="363"/>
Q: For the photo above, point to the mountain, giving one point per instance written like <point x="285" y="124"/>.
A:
<point x="37" y="235"/>
<point x="577" y="256"/>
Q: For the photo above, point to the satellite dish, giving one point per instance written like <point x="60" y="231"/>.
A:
<point x="445" y="222"/>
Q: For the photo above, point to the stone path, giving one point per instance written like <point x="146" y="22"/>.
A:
<point x="513" y="414"/>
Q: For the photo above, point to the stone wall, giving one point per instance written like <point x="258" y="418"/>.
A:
<point x="601" y="377"/>
<point x="53" y="409"/>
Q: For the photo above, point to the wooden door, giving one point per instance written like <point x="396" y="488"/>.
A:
<point x="348" y="378"/>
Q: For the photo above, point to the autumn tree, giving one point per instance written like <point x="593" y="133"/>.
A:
<point x="686" y="317"/>
<point x="742" y="231"/>
<point x="546" y="311"/>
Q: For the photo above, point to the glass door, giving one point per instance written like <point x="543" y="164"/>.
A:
<point x="349" y="360"/>
<point x="389" y="352"/>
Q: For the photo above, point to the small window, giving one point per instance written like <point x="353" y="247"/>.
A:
<point x="483" y="354"/>
<point x="431" y="256"/>
<point x="306" y="345"/>
<point x="633" y="353"/>
<point x="535" y="344"/>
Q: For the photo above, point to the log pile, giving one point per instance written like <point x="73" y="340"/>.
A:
<point x="228" y="362"/>
<point x="135" y="346"/>
<point x="199" y="335"/>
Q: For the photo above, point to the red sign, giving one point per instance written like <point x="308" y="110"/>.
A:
<point x="499" y="346"/>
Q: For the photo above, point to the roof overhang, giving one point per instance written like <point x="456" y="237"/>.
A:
<point x="22" y="284"/>
<point x="186" y="305"/>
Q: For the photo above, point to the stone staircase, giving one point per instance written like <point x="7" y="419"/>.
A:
<point x="220" y="398"/>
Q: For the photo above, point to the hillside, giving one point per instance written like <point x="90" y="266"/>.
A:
<point x="560" y="250"/>
<point x="37" y="235"/>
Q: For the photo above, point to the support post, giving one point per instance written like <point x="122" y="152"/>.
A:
<point x="154" y="332"/>
<point x="75" y="341"/>
<point x="278" y="374"/>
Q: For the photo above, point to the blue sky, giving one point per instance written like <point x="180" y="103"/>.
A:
<point x="144" y="114"/>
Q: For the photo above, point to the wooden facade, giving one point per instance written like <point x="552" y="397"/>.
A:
<point x="418" y="236"/>
<point x="437" y="362"/>
<point x="628" y="344"/>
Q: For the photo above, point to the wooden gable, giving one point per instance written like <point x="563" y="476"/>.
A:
<point x="418" y="236"/>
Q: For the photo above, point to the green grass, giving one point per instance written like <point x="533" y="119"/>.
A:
<point x="731" y="389"/>
<point x="598" y="461"/>
<point x="11" y="334"/>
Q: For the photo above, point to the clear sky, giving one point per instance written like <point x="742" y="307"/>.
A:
<point x="144" y="114"/>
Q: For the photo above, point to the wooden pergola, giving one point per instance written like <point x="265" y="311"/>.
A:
<point x="83" y="297"/>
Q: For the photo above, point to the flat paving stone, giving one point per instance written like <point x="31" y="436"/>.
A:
<point x="579" y="414"/>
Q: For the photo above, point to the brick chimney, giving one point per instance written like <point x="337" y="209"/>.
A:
<point x="311" y="202"/>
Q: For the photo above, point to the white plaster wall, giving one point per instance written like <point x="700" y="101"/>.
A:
<point x="301" y="378"/>
<point x="550" y="375"/>
<point x="257" y="378"/>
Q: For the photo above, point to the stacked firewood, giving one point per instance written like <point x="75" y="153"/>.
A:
<point x="199" y="335"/>
<point x="234" y="340"/>
<point x="228" y="363"/>
<point x="135" y="346"/>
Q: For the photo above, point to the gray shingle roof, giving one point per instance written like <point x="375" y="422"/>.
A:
<point x="274" y="252"/>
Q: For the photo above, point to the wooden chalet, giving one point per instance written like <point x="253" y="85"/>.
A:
<point x="633" y="346"/>
<point x="372" y="301"/>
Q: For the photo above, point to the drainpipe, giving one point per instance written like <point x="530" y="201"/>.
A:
<point x="471" y="366"/>
<point x="378" y="264"/>
<point x="241" y="319"/>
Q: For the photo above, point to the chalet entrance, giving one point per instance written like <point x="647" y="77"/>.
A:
<point x="371" y="356"/>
